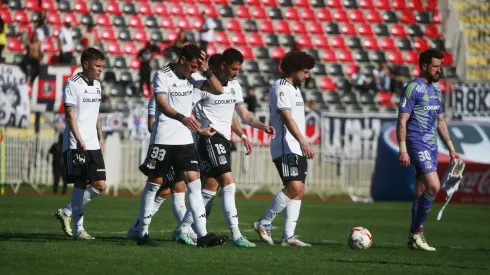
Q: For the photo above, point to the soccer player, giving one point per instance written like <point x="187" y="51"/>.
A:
<point x="83" y="143"/>
<point x="173" y="145"/>
<point x="290" y="149"/>
<point x="216" y="112"/>
<point x="420" y="118"/>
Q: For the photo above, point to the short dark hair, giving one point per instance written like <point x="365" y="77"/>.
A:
<point x="426" y="56"/>
<point x="190" y="52"/>
<point x="215" y="61"/>
<point x="296" y="61"/>
<point x="91" y="54"/>
<point x="231" y="55"/>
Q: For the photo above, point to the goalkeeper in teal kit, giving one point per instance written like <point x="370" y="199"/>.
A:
<point x="420" y="118"/>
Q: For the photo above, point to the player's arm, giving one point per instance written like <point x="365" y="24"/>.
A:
<point x="70" y="103"/>
<point x="444" y="133"/>
<point x="151" y="113"/>
<point x="212" y="85"/>
<point x="162" y="105"/>
<point x="249" y="119"/>
<point x="287" y="118"/>
<point x="99" y="133"/>
<point x="407" y="102"/>
<point x="151" y="119"/>
<point x="237" y="129"/>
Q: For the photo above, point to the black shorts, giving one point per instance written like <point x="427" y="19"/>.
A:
<point x="80" y="166"/>
<point x="169" y="161"/>
<point x="292" y="167"/>
<point x="169" y="178"/>
<point x="214" y="155"/>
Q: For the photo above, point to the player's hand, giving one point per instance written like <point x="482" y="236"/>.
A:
<point x="248" y="146"/>
<point x="81" y="146"/>
<point x="271" y="131"/>
<point x="306" y="149"/>
<point x="101" y="144"/>
<point x="191" y="123"/>
<point x="404" y="159"/>
<point x="207" y="132"/>
<point x="203" y="65"/>
<point x="453" y="155"/>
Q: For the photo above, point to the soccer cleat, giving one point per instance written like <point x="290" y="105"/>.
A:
<point x="65" y="222"/>
<point x="294" y="241"/>
<point x="417" y="241"/>
<point x="264" y="232"/>
<point x="183" y="238"/>
<point x="145" y="241"/>
<point x="133" y="234"/>
<point x="82" y="235"/>
<point x="243" y="242"/>
<point x="210" y="240"/>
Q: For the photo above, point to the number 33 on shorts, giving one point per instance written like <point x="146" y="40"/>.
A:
<point x="158" y="153"/>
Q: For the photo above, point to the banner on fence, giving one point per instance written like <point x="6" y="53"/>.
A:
<point x="471" y="101"/>
<point x="14" y="99"/>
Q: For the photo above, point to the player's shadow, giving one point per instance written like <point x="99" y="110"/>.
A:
<point x="51" y="237"/>
<point x="407" y="264"/>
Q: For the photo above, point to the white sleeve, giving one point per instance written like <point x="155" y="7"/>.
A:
<point x="238" y="95"/>
<point x="69" y="94"/>
<point x="151" y="106"/>
<point x="197" y="95"/>
<point x="160" y="84"/>
<point x="283" y="102"/>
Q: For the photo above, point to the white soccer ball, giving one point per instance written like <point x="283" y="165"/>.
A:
<point x="359" y="238"/>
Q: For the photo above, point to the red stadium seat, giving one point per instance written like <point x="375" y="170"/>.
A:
<point x="448" y="59"/>
<point x="366" y="4"/>
<point x="304" y="41"/>
<point x="233" y="25"/>
<point x="431" y="5"/>
<point x="32" y="5"/>
<point x="48" y="5"/>
<point x="341" y="16"/>
<point x="302" y="3"/>
<point x="21" y="17"/>
<point x="324" y="15"/>
<point x="221" y="38"/>
<point x="348" y="29"/>
<point x="398" y="30"/>
<point x="299" y="27"/>
<point x="80" y="7"/>
<point x="266" y="26"/>
<point x="176" y="10"/>
<point x="415" y="5"/>
<point x="351" y="69"/>
<point x="327" y="84"/>
<point x="356" y="16"/>
<point x="411" y="57"/>
<point x="365" y="29"/>
<point x="395" y="57"/>
<point x="55" y="32"/>
<point x="436" y="17"/>
<point x="253" y="2"/>
<point x="338" y="42"/>
<point x="114" y="48"/>
<point x="334" y="4"/>
<point x="141" y="36"/>
<point x="183" y="23"/>
<point x="197" y="23"/>
<point x="407" y="17"/>
<point x="130" y="48"/>
<point x="308" y="15"/>
<point x="384" y="99"/>
<point x="371" y="43"/>
<point x="25" y="28"/>
<point x="315" y="28"/>
<point x="329" y="55"/>
<point x="269" y="3"/>
<point x="193" y="10"/>
<point x="432" y="31"/>
<point x="282" y="26"/>
<point x="346" y="56"/>
<point x="14" y="44"/>
<point x="211" y="11"/>
<point x="160" y="9"/>
<point x="145" y="9"/>
<point x="278" y="52"/>
<point x="167" y="23"/>
<point x="238" y="39"/>
<point x="247" y="52"/>
<point x="420" y="44"/>
<point x="209" y="2"/>
<point x="257" y="12"/>
<point x="211" y="49"/>
<point x="72" y="18"/>
<point x="373" y="16"/>
<point x="416" y="71"/>
<point x="54" y="18"/>
<point x="108" y="34"/>
<point x="113" y="8"/>
<point x="383" y="5"/>
<point x="102" y="20"/>
<point x="399" y="4"/>
<point x="255" y="39"/>
<point x="172" y="35"/>
<point x="243" y="12"/>
<point x="387" y="43"/>
<point x="5" y="14"/>
<point x="48" y="46"/>
<point x="321" y="42"/>
<point x="291" y="13"/>
<point x="135" y="64"/>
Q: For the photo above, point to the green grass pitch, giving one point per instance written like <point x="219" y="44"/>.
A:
<point x="31" y="241"/>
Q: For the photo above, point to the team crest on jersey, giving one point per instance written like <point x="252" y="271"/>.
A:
<point x="293" y="171"/>
<point x="232" y="91"/>
<point x="426" y="97"/>
<point x="428" y="165"/>
<point x="222" y="160"/>
<point x="98" y="91"/>
<point x="151" y="164"/>
<point x="281" y="93"/>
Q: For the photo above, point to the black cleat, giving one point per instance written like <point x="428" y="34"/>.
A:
<point x="210" y="240"/>
<point x="145" y="241"/>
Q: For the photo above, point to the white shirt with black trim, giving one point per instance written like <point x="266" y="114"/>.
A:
<point x="284" y="96"/>
<point x="216" y="111"/>
<point x="85" y="99"/>
<point x="169" y="131"/>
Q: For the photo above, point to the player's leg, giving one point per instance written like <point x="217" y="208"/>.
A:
<point x="184" y="233"/>
<point x="209" y="191"/>
<point x="419" y="189"/>
<point x="56" y="180"/>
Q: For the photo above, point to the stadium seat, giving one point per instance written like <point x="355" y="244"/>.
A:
<point x="415" y="31"/>
<point x="299" y="28"/>
<point x="324" y="15"/>
<point x="308" y="15"/>
<point x="371" y="43"/>
<point x="329" y="55"/>
<point x="102" y="20"/>
<point x="304" y="41"/>
<point x="49" y="46"/>
<point x="32" y="5"/>
<point x="14" y="44"/>
<point x="35" y="16"/>
<point x="266" y="26"/>
<point x="176" y="9"/>
<point x="261" y="53"/>
<point x="14" y="4"/>
<point x="431" y="5"/>
<point x="404" y="44"/>
<point x="238" y="39"/>
<point x="271" y="40"/>
<point x="193" y="10"/>
<point x="387" y="43"/>
<point x="407" y="17"/>
<point x="211" y="11"/>
<point x="54" y="18"/>
<point x="399" y="5"/>
<point x="332" y="28"/>
<point x="350" y="4"/>
<point x="415" y="5"/>
<point x="108" y="34"/>
<point x="437" y="44"/>
<point x="119" y="21"/>
<point x="285" y="3"/>
<point x="11" y="31"/>
<point x="383" y="5"/>
<point x="416" y="71"/>
<point x="247" y="52"/>
<point x="346" y="56"/>
<point x="315" y="28"/>
<point x="113" y="8"/>
<point x="72" y="18"/>
<point x="128" y="8"/>
<point x="125" y="35"/>
<point x="348" y="29"/>
<point x="377" y="56"/>
<point x="356" y="16"/>
<point x="354" y="42"/>
<point x="211" y="49"/>
<point x="282" y="26"/>
<point x="140" y="35"/>
<point x="64" y="6"/>
<point x="366" y="4"/>
<point x="422" y="17"/>
<point x="135" y="64"/>
<point x="146" y="9"/>
<point x="340" y="16"/>
<point x="222" y="38"/>
<point x="327" y="84"/>
<point x="257" y="13"/>
<point x="253" y="2"/>
<point x="318" y="3"/>
<point x="167" y="23"/>
<point x="432" y="31"/>
<point x="97" y="7"/>
<point x="411" y="57"/>
<point x="398" y="30"/>
<point x="226" y="12"/>
<point x="365" y="29"/>
<point x="270" y="67"/>
<point x="48" y="5"/>
<point x="233" y="25"/>
<point x="448" y="59"/>
<point x="156" y="36"/>
<point x="390" y="17"/>
<point x="172" y="35"/>
<point x="420" y="44"/>
<point x="160" y="9"/>
<point x="436" y="18"/>
<point x="87" y="19"/>
<point x="21" y="17"/>
<point x="150" y="22"/>
<point x="5" y="14"/>
<point x="257" y="81"/>
<point x="361" y="56"/>
<point x="321" y="41"/>
<point x="395" y="57"/>
<point x="275" y="14"/>
<point x="218" y="2"/>
<point x="25" y="28"/>
<point x="334" y="4"/>
<point x="302" y="3"/>
<point x="373" y="16"/>
<point x="338" y="42"/>
<point x="351" y="69"/>
<point x="114" y="48"/>
<point x="269" y="3"/>
<point x="197" y="23"/>
<point x="236" y="2"/>
<point x="291" y="13"/>
<point x="80" y="6"/>
<point x="287" y="40"/>
<point x="255" y="39"/>
<point x="319" y="69"/>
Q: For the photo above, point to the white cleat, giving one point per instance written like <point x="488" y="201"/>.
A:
<point x="83" y="235"/>
<point x="264" y="232"/>
<point x="294" y="241"/>
<point x="417" y="241"/>
<point x="133" y="234"/>
<point x="65" y="222"/>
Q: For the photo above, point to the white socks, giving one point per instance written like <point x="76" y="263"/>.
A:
<point x="196" y="206"/>
<point x="229" y="210"/>
<point x="147" y="203"/>
<point x="291" y="215"/>
<point x="278" y="203"/>
<point x="178" y="206"/>
<point x="156" y="204"/>
<point x="77" y="208"/>
<point x="88" y="194"/>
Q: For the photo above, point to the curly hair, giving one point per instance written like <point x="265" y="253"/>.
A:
<point x="296" y="61"/>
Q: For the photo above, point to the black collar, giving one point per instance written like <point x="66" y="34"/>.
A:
<point x="172" y="67"/>
<point x="90" y="83"/>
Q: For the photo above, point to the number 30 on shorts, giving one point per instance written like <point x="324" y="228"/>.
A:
<point x="424" y="155"/>
<point x="157" y="153"/>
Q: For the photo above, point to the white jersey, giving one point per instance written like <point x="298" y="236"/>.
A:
<point x="284" y="96"/>
<point x="86" y="100"/>
<point x="216" y="111"/>
<point x="167" y="130"/>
